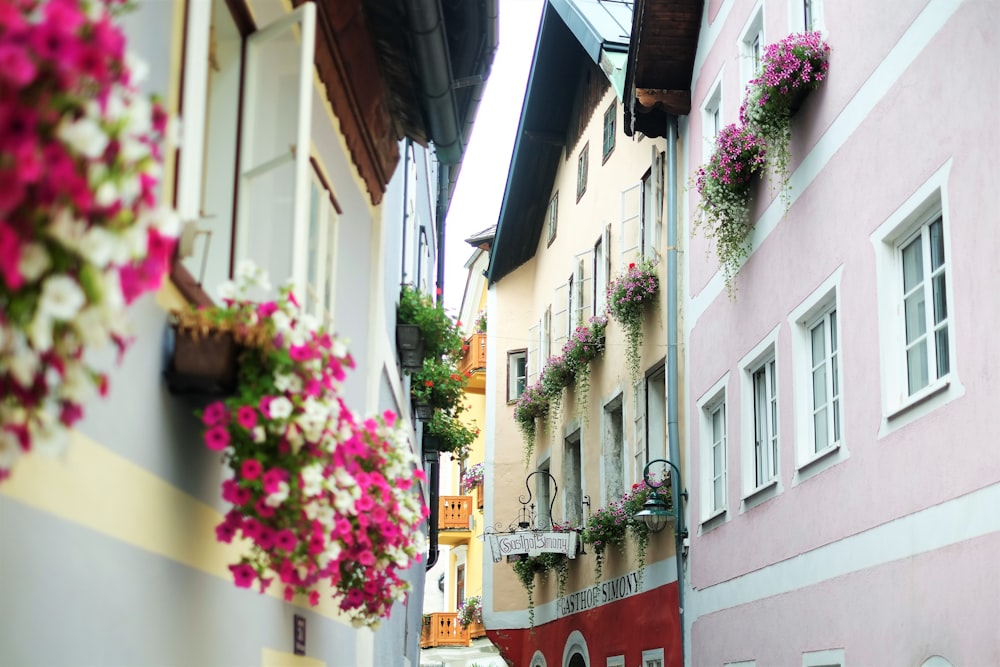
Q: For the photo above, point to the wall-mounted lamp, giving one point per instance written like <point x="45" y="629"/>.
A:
<point x="655" y="512"/>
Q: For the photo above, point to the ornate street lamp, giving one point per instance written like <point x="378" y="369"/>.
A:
<point x="655" y="512"/>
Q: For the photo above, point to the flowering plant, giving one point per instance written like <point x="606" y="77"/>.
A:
<point x="472" y="477"/>
<point x="480" y="326"/>
<point x="470" y="611"/>
<point x="81" y="236"/>
<point x="452" y="434"/>
<point x="441" y="334"/>
<point x="556" y="376"/>
<point x="531" y="405"/>
<point x="724" y="186"/>
<point x="438" y="383"/>
<point x="317" y="494"/>
<point x="629" y="293"/>
<point x="526" y="567"/>
<point x="584" y="345"/>
<point x="789" y="70"/>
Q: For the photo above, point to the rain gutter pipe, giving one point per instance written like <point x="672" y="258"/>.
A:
<point x="673" y="432"/>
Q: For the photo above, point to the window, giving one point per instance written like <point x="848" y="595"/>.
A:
<point x="577" y="302"/>
<point x="651" y="225"/>
<point x="656" y="414"/>
<point x="517" y="374"/>
<point x="816" y="379"/>
<point x="714" y="453"/>
<point x="602" y="269"/>
<point x="925" y="305"/>
<point x="752" y="45"/>
<point x="609" y="131"/>
<point x="543" y="493"/>
<point x="806" y="15"/>
<point x="829" y="658"/>
<point x="534" y="362"/>
<point x="711" y="118"/>
<point x="573" y="288"/>
<point x="615" y="661"/>
<point x="759" y="441"/>
<point x="552" y="216"/>
<point x="825" y="386"/>
<point x="459" y="586"/>
<point x="322" y="260"/>
<point x="916" y="329"/>
<point x="581" y="171"/>
<point x="545" y="342"/>
<point x="612" y="450"/>
<point x="573" y="479"/>
<point x="652" y="658"/>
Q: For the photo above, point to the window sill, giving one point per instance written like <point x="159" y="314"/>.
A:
<point x="819" y="456"/>
<point x="713" y="519"/>
<point x="772" y="483"/>
<point x="919" y="398"/>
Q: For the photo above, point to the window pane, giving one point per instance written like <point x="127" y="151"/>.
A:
<point x="833" y="331"/>
<point x="916" y="366"/>
<point x="818" y="344"/>
<point x="916" y="324"/>
<point x="819" y="387"/>
<point x="913" y="265"/>
<point x="940" y="299"/>
<point x="716" y="460"/>
<point x="820" y="433"/>
<point x="836" y="421"/>
<point x="937" y="244"/>
<point x="717" y="493"/>
<point x="941" y="346"/>
<point x="312" y="270"/>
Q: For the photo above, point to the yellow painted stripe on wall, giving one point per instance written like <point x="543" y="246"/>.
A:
<point x="272" y="658"/>
<point x="95" y="487"/>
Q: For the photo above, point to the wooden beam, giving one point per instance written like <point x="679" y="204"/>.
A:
<point x="554" y="138"/>
<point x="672" y="101"/>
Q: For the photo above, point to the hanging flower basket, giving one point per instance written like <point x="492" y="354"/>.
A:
<point x="202" y="365"/>
<point x="629" y="294"/>
<point x="423" y="411"/>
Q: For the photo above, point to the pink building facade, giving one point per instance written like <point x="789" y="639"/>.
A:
<point x="844" y="479"/>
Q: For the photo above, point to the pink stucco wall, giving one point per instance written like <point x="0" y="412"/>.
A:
<point x="939" y="603"/>
<point x="942" y="107"/>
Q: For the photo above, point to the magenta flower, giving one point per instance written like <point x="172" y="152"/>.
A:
<point x="217" y="438"/>
<point x="251" y="469"/>
<point x="215" y="413"/>
<point x="285" y="540"/>
<point x="243" y="575"/>
<point x="272" y="478"/>
<point x="246" y="416"/>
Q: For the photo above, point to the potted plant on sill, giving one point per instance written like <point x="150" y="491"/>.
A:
<point x="81" y="234"/>
<point x="472" y="480"/>
<point x="470" y="611"/>
<point x="320" y="496"/>
<point x="789" y="69"/>
<point x="437" y="386"/>
<point x="724" y="206"/>
<point x="629" y="294"/>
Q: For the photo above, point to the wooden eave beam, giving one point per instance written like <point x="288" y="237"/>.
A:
<point x="677" y="102"/>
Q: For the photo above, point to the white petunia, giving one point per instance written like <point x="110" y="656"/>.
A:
<point x="137" y="68"/>
<point x="280" y="408"/>
<point x="10" y="449"/>
<point x="61" y="298"/>
<point x="227" y="290"/>
<point x="84" y="136"/>
<point x="281" y="495"/>
<point x="258" y="434"/>
<point x="23" y="363"/>
<point x="98" y="246"/>
<point x="282" y="382"/>
<point x="34" y="261"/>
<point x="40" y="331"/>
<point x="65" y="229"/>
<point x="312" y="479"/>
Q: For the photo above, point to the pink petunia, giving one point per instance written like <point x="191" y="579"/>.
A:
<point x="272" y="478"/>
<point x="246" y="416"/>
<point x="266" y="538"/>
<point x="215" y="413"/>
<point x="16" y="66"/>
<point x="313" y="598"/>
<point x="285" y="540"/>
<point x="225" y="532"/>
<point x="217" y="438"/>
<point x="264" y="510"/>
<point x="289" y="593"/>
<point x="243" y="575"/>
<point x="251" y="469"/>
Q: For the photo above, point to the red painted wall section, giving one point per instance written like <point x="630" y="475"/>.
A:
<point x="628" y="627"/>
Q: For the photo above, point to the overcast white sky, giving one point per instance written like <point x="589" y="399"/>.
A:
<point x="479" y="192"/>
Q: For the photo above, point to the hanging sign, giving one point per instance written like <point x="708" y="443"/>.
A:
<point x="532" y="543"/>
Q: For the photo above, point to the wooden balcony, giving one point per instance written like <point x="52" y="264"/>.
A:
<point x="454" y="519"/>
<point x="443" y="629"/>
<point x="474" y="358"/>
<point x="477" y="630"/>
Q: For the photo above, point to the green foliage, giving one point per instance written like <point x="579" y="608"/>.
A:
<point x="629" y="294"/>
<point x="440" y="332"/>
<point x="533" y="404"/>
<point x="452" y="434"/>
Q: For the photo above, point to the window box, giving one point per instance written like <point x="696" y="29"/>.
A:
<point x="201" y="364"/>
<point x="410" y="346"/>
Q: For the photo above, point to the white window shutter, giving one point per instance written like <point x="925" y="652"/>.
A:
<point x="579" y="295"/>
<point x="657" y="211"/>
<point x="534" y="363"/>
<point x="639" y="424"/>
<point x="630" y="222"/>
<point x="561" y="315"/>
<point x="274" y="147"/>
<point x="607" y="256"/>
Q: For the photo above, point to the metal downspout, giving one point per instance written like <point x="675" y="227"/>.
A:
<point x="432" y="463"/>
<point x="673" y="432"/>
<point x="406" y="184"/>
<point x="442" y="216"/>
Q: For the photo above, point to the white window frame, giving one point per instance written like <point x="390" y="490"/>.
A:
<point x="573" y="480"/>
<point x="711" y="401"/>
<point x="797" y="15"/>
<point x="615" y="661"/>
<point x="630" y="213"/>
<point x="831" y="657"/>
<point x="651" y="657"/>
<point x="513" y="376"/>
<point x="552" y="217"/>
<point x="712" y="117"/>
<point x="303" y="20"/>
<point x="924" y="206"/>
<point x="613" y="448"/>
<point x="651" y="226"/>
<point x="764" y="459"/>
<point x="545" y="338"/>
<point x="602" y="271"/>
<point x="538" y="660"/>
<point x="824" y="299"/>
<point x="324" y="251"/>
<point x="751" y="44"/>
<point x="534" y="352"/>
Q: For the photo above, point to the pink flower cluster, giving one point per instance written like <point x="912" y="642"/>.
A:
<point x="320" y="497"/>
<point x="738" y="154"/>
<point x="799" y="61"/>
<point x="632" y="289"/>
<point x="586" y="343"/>
<point x="80" y="233"/>
<point x="472" y="477"/>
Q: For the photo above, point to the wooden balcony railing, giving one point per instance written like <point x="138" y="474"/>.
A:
<point x="454" y="512"/>
<point x="474" y="358"/>
<point x="443" y="629"/>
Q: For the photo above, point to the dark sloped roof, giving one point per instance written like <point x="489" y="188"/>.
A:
<point x="570" y="32"/>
